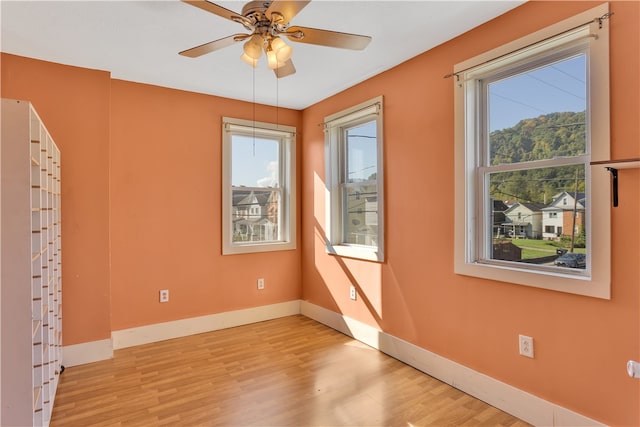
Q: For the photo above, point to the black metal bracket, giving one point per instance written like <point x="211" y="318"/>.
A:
<point x="614" y="184"/>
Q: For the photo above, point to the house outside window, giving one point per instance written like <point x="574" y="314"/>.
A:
<point x="562" y="210"/>
<point x="354" y="180"/>
<point x="258" y="187"/>
<point x="530" y="117"/>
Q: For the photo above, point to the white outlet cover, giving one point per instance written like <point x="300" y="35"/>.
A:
<point x="526" y="345"/>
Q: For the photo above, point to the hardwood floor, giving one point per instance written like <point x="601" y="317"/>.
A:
<point x="285" y="372"/>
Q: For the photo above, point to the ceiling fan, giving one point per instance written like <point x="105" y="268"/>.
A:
<point x="268" y="21"/>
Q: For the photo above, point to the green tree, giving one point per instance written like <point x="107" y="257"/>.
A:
<point x="545" y="137"/>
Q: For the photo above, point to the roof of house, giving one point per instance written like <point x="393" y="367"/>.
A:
<point x="499" y="205"/>
<point x="582" y="200"/>
<point x="533" y="207"/>
<point x="571" y="194"/>
<point x="245" y="197"/>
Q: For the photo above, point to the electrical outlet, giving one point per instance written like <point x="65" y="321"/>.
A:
<point x="352" y="292"/>
<point x="526" y="346"/>
<point x="260" y="283"/>
<point x="164" y="295"/>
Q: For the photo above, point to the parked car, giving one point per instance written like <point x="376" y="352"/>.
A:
<point x="572" y="260"/>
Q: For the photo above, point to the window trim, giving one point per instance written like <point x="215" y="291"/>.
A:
<point x="287" y="164"/>
<point x="334" y="124"/>
<point x="596" y="283"/>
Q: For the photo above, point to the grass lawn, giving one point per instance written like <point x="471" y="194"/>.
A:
<point x="539" y="248"/>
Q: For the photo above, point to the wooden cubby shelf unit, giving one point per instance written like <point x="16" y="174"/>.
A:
<point x="31" y="267"/>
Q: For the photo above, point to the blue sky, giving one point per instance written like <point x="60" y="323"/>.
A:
<point x="362" y="152"/>
<point x="557" y="87"/>
<point x="254" y="164"/>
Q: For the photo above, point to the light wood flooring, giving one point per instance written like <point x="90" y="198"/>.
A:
<point x="291" y="371"/>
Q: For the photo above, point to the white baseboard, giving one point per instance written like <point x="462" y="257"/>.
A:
<point x="197" y="325"/>
<point x="88" y="352"/>
<point x="516" y="402"/>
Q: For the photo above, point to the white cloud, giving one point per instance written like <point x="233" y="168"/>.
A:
<point x="272" y="180"/>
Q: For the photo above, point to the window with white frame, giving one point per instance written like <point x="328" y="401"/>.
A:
<point x="355" y="208"/>
<point x="530" y="117"/>
<point x="258" y="187"/>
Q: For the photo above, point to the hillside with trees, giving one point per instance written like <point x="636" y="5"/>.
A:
<point x="544" y="137"/>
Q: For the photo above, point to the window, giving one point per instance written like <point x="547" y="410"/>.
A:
<point x="355" y="225"/>
<point x="258" y="195"/>
<point x="530" y="117"/>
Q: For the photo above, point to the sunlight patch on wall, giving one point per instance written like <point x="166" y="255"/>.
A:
<point x="339" y="273"/>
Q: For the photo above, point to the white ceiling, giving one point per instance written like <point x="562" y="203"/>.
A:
<point x="139" y="41"/>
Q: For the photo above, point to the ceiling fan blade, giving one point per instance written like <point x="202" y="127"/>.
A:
<point x="286" y="70"/>
<point x="217" y="10"/>
<point x="327" y="38"/>
<point x="286" y="9"/>
<point x="194" y="52"/>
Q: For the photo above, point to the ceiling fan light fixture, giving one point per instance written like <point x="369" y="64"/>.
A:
<point x="266" y="21"/>
<point x="272" y="60"/>
<point x="253" y="47"/>
<point x="283" y="51"/>
<point x="249" y="60"/>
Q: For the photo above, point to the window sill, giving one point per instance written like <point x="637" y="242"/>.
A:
<point x="257" y="247"/>
<point x="579" y="284"/>
<point x="365" y="253"/>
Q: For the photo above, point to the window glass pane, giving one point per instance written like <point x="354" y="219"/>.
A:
<point x="539" y="113"/>
<point x="255" y="215"/>
<point x="533" y="213"/>
<point x="361" y="214"/>
<point x="258" y="187"/>
<point x="355" y="220"/>
<point x="254" y="162"/>
<point x="361" y="152"/>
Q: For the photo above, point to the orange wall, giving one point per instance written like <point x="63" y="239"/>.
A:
<point x="165" y="210"/>
<point x="141" y="191"/>
<point x="582" y="344"/>
<point x="74" y="105"/>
